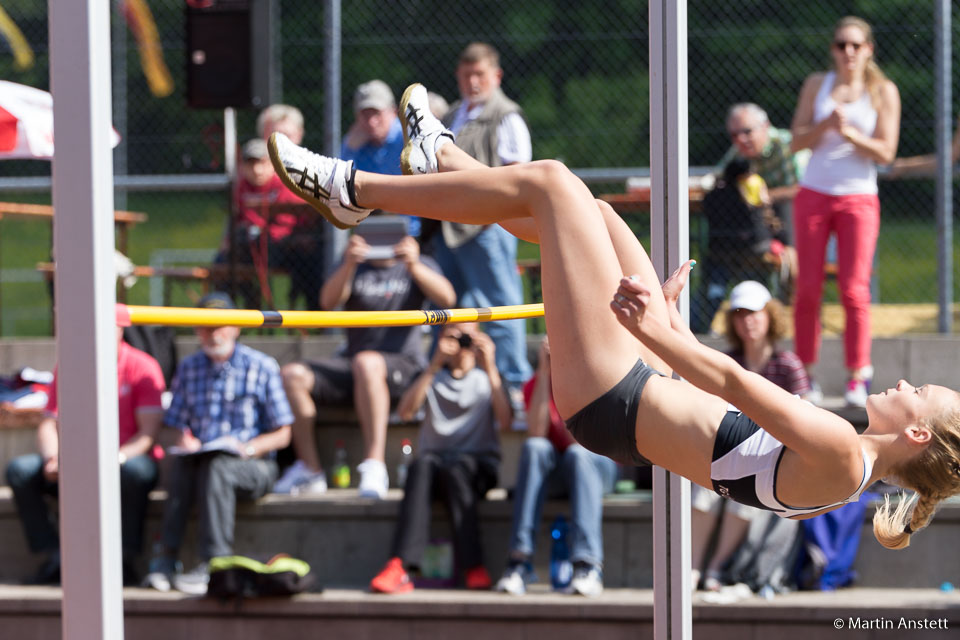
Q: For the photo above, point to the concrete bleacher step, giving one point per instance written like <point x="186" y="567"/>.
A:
<point x="34" y="612"/>
<point x="346" y="539"/>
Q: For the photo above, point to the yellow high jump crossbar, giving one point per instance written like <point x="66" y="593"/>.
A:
<point x="190" y="317"/>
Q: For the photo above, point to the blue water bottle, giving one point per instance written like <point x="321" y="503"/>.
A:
<point x="561" y="569"/>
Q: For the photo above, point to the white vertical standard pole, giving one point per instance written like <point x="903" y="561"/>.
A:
<point x="230" y="143"/>
<point x="669" y="232"/>
<point x="86" y="329"/>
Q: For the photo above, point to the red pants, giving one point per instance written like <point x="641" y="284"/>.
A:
<point x="855" y="219"/>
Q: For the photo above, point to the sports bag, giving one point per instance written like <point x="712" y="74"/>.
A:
<point x="242" y="577"/>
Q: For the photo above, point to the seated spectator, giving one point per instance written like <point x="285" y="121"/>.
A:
<point x="34" y="476"/>
<point x="741" y="237"/>
<point x="375" y="139"/>
<point x="459" y="454"/>
<point x="229" y="406"/>
<point x="261" y="238"/>
<point x="553" y="464"/>
<point x="754" y="326"/>
<point x="303" y="249"/>
<point x="377" y="364"/>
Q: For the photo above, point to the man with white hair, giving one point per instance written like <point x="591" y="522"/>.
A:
<point x="768" y="150"/>
<point x="284" y="118"/>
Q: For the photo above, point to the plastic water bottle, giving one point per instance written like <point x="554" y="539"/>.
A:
<point x="561" y="569"/>
<point x="341" y="469"/>
<point x="406" y="456"/>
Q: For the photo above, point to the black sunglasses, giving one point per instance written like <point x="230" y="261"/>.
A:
<point x="842" y="45"/>
<point x="736" y="133"/>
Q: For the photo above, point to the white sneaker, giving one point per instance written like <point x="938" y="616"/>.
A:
<point x="514" y="580"/>
<point x="374" y="480"/>
<point x="856" y="393"/>
<point x="161" y="572"/>
<point x="815" y="395"/>
<point x="423" y="134"/>
<point x="194" y="582"/>
<point x="587" y="581"/>
<point x="299" y="479"/>
<point x="322" y="182"/>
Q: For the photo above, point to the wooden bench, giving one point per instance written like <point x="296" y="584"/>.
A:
<point x="123" y="220"/>
<point x="201" y="276"/>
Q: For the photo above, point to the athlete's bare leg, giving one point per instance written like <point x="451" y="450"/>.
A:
<point x="630" y="253"/>
<point x="580" y="262"/>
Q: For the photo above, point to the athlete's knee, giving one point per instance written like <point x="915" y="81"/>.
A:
<point x="550" y="173"/>
<point x="605" y="208"/>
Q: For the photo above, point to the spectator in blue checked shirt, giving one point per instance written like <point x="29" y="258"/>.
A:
<point x="229" y="404"/>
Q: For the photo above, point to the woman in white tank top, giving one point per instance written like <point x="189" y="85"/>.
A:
<point x="850" y="118"/>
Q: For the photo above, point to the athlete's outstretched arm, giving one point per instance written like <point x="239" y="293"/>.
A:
<point x="802" y="427"/>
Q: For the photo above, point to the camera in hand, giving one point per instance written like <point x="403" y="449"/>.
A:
<point x="465" y="340"/>
<point x="382" y="232"/>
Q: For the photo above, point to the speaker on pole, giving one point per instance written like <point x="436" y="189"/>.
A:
<point x="230" y="53"/>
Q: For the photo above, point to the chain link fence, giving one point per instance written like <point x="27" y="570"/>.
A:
<point x="578" y="68"/>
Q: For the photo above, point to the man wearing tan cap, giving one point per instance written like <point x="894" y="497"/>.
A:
<point x="375" y="138"/>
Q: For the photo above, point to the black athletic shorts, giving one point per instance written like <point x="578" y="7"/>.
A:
<point x="333" y="378"/>
<point x="608" y="424"/>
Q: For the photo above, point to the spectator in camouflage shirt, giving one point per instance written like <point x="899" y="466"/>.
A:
<point x="768" y="150"/>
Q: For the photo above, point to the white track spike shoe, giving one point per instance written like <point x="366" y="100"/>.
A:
<point x="326" y="183"/>
<point x="423" y="134"/>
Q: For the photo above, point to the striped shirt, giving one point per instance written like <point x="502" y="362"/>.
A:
<point x="784" y="369"/>
<point x="242" y="397"/>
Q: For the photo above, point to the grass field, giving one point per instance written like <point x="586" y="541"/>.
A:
<point x="906" y="265"/>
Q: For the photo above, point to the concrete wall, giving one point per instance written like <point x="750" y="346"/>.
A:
<point x="918" y="358"/>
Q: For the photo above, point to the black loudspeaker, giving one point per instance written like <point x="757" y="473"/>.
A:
<point x="230" y="53"/>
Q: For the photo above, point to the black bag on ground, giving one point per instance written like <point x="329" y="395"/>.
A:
<point x="242" y="577"/>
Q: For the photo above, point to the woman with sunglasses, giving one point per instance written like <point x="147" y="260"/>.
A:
<point x="850" y="118"/>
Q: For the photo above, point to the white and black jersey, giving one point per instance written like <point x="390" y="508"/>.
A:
<point x="745" y="463"/>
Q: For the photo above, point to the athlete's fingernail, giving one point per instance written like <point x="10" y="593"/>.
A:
<point x="693" y="263"/>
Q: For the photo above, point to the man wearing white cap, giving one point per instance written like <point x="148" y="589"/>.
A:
<point x="375" y="139"/>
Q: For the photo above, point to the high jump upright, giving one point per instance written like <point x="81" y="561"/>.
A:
<point x="669" y="233"/>
<point x="83" y="240"/>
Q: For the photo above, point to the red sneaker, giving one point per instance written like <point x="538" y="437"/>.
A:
<point x="393" y="578"/>
<point x="477" y="578"/>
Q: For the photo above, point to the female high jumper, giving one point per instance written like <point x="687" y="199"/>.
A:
<point x="612" y="358"/>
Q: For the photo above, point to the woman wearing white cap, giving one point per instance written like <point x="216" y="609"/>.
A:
<point x="776" y="452"/>
<point x="754" y="326"/>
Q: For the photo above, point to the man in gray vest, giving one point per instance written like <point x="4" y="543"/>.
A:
<point x="481" y="261"/>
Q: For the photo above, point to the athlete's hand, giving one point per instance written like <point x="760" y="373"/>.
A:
<point x="629" y="304"/>
<point x="673" y="285"/>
